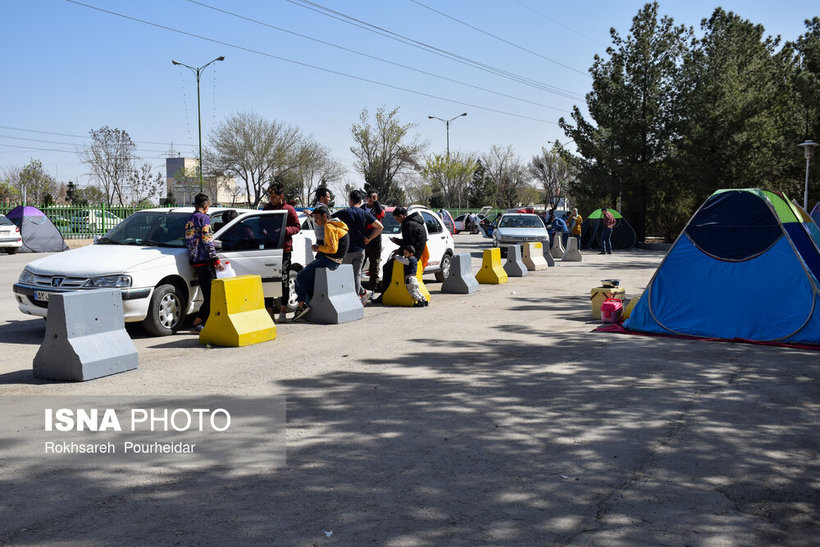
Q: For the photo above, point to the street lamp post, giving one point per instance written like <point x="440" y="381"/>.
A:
<point x="808" y="152"/>
<point x="447" y="123"/>
<point x="198" y="71"/>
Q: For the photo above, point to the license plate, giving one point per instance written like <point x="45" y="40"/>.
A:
<point x="42" y="296"/>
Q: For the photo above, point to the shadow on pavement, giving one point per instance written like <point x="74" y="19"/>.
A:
<point x="571" y="440"/>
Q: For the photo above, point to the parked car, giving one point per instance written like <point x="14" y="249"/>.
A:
<point x="145" y="257"/>
<point x="518" y="228"/>
<point x="447" y="218"/>
<point x="93" y="221"/>
<point x="461" y="222"/>
<point x="440" y="241"/>
<point x="10" y="238"/>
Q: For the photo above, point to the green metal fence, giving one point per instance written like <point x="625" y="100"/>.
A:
<point x="81" y="221"/>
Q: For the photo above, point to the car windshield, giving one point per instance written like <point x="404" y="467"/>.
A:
<point x="4" y="221"/>
<point x="520" y="221"/>
<point x="391" y="225"/>
<point x="149" y="228"/>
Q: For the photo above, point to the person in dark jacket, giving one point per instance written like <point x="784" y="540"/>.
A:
<point x="413" y="233"/>
<point x="202" y="254"/>
<point x="276" y="195"/>
<point x="373" y="249"/>
<point x="358" y="221"/>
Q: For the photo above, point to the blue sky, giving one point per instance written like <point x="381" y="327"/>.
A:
<point x="69" y="69"/>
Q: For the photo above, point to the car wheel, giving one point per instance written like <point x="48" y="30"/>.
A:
<point x="12" y="250"/>
<point x="495" y="240"/>
<point x="444" y="272"/>
<point x="165" y="312"/>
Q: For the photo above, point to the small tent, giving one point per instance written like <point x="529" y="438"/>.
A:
<point x="745" y="267"/>
<point x="39" y="234"/>
<point x="623" y="236"/>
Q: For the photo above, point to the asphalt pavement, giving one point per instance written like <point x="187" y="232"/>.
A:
<point x="496" y="418"/>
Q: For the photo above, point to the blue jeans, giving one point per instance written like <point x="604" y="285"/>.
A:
<point x="307" y="275"/>
<point x="606" y="240"/>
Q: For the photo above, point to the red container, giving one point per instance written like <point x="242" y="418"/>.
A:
<point x="611" y="310"/>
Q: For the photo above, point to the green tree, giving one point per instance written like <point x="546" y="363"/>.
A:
<point x="385" y="153"/>
<point x="482" y="188"/>
<point x="91" y="195"/>
<point x="807" y="84"/>
<point x="448" y="178"/>
<point x="32" y="182"/>
<point x="807" y="79"/>
<point x="739" y="110"/>
<point x="71" y="192"/>
<point x="624" y="153"/>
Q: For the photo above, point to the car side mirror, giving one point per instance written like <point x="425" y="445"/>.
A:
<point x="217" y="244"/>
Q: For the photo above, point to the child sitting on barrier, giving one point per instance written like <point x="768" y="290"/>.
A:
<point x="411" y="264"/>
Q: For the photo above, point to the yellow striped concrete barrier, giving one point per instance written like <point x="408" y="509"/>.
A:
<point x="396" y="294"/>
<point x="534" y="257"/>
<point x="238" y="316"/>
<point x="491" y="273"/>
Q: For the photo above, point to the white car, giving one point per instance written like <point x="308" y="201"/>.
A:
<point x="519" y="228"/>
<point x="440" y="242"/>
<point x="10" y="238"/>
<point x="145" y="257"/>
<point x="461" y="223"/>
<point x="93" y="221"/>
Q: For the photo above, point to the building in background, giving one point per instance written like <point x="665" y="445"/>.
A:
<point x="183" y="184"/>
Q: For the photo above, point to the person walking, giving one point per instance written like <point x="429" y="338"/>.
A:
<point x="276" y="195"/>
<point x="606" y="232"/>
<point x="328" y="255"/>
<point x="358" y="220"/>
<point x="199" y="239"/>
<point x="373" y="248"/>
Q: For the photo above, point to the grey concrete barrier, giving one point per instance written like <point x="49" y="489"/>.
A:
<point x="514" y="266"/>
<point x="548" y="256"/>
<point x="85" y="337"/>
<point x="334" y="297"/>
<point x="557" y="249"/>
<point x="461" y="279"/>
<point x="572" y="253"/>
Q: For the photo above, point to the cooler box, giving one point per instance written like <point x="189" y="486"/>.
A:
<point x="611" y="310"/>
<point x="629" y="306"/>
<point x="599" y="294"/>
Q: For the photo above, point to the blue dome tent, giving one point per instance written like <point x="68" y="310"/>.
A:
<point x="746" y="267"/>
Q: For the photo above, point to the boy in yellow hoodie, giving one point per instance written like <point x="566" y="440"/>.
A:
<point x="328" y="255"/>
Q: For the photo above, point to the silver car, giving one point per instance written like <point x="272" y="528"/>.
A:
<point x="519" y="228"/>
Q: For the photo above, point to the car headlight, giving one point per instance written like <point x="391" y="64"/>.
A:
<point x="26" y="277"/>
<point x="109" y="281"/>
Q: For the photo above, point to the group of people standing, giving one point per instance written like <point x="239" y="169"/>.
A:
<point x="566" y="225"/>
<point x="349" y="236"/>
<point x="570" y="224"/>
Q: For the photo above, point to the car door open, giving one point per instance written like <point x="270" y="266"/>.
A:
<point x="254" y="247"/>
